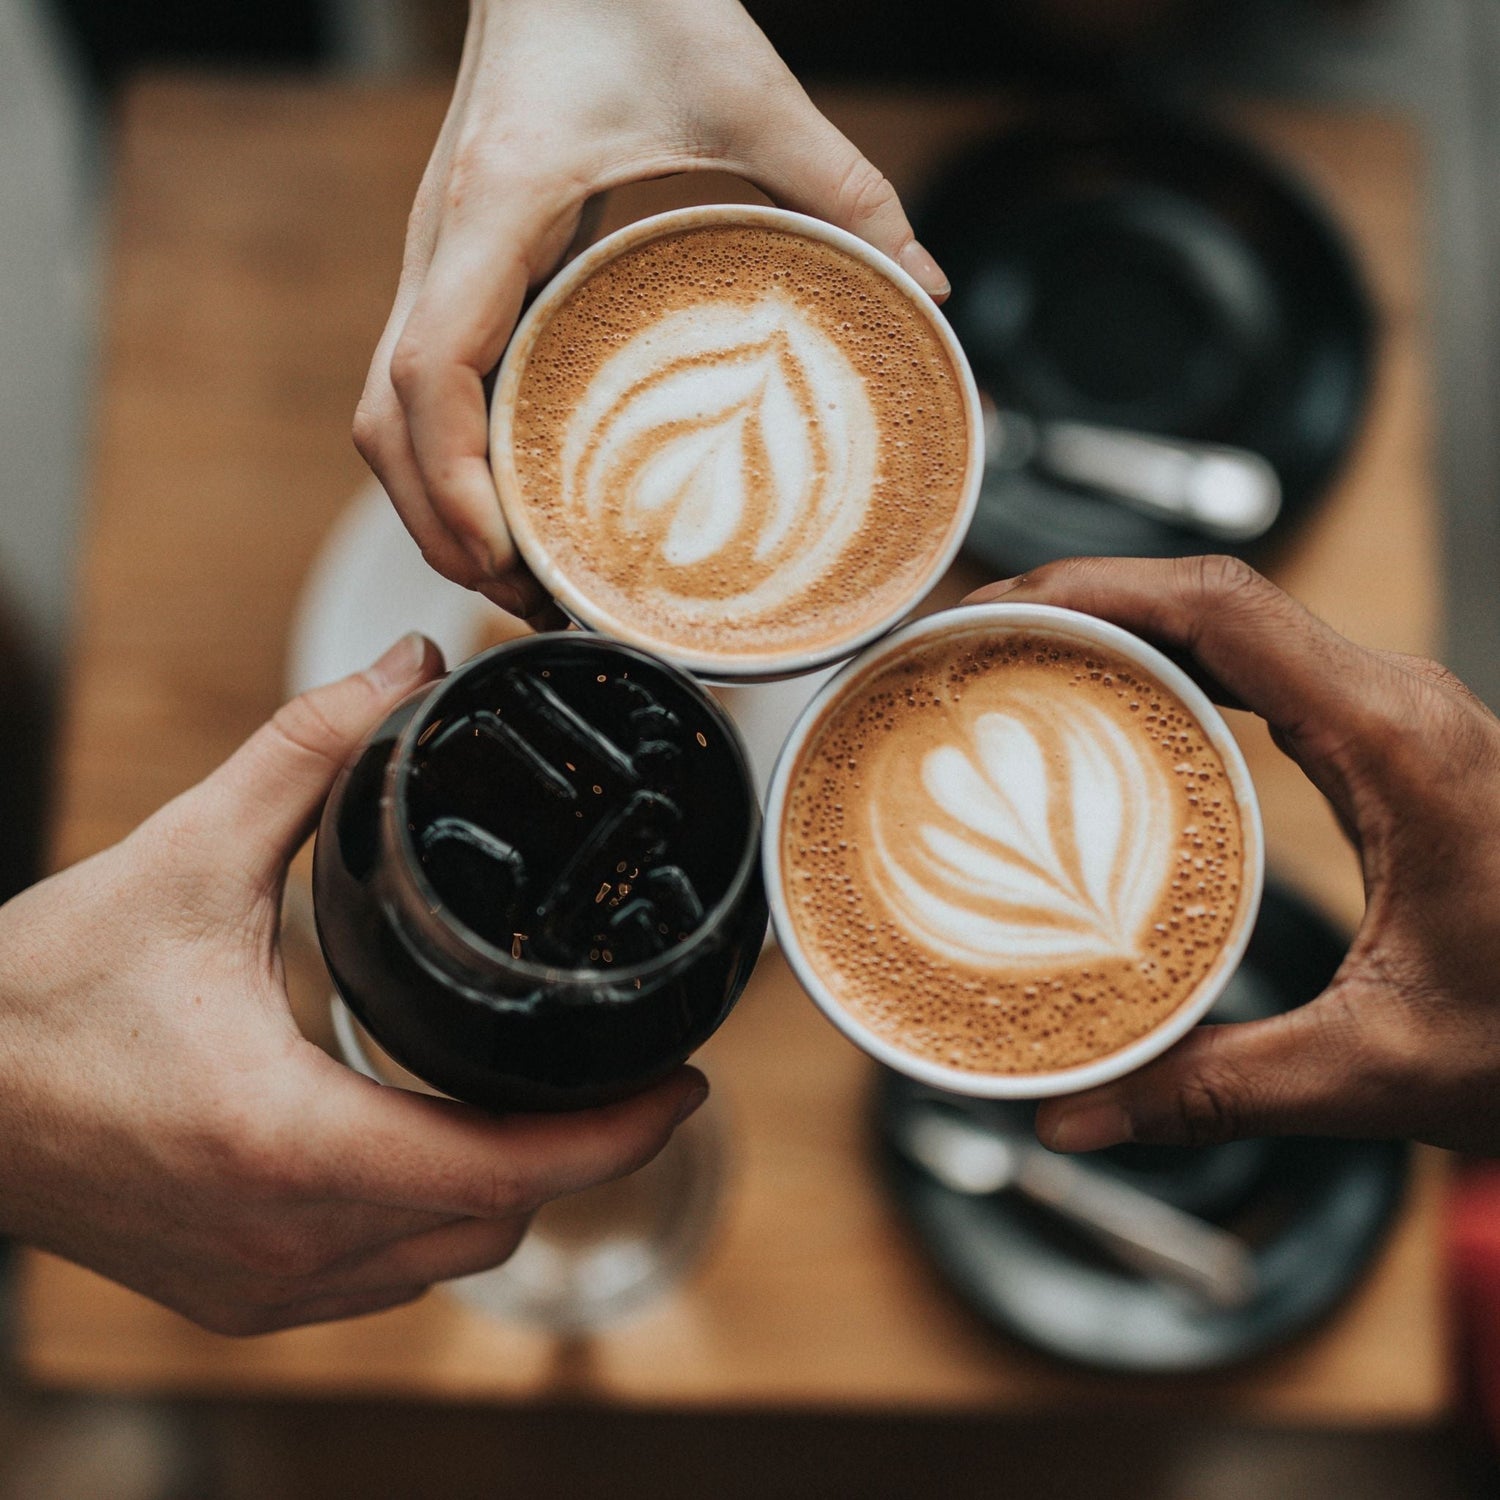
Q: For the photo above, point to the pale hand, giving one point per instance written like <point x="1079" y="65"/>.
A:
<point x="163" y="1122"/>
<point x="557" y="101"/>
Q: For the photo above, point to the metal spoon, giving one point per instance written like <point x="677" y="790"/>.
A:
<point x="1141" y="1231"/>
<point x="1226" y="493"/>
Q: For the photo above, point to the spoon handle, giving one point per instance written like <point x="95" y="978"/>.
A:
<point x="1148" y="1235"/>
<point x="1224" y="492"/>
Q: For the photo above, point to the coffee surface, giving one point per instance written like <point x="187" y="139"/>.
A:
<point x="740" y="440"/>
<point x="1011" y="855"/>
<point x="576" y="805"/>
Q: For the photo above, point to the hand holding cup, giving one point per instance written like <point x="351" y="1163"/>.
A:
<point x="1403" y="1042"/>
<point x="557" y="101"/>
<point x="162" y="1121"/>
<point x="1013" y="851"/>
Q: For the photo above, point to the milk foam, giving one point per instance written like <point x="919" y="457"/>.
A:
<point x="740" y="441"/>
<point x="723" y="432"/>
<point x="1012" y="854"/>
<point x="1037" y="836"/>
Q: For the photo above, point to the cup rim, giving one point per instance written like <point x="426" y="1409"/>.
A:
<point x="721" y="666"/>
<point x="1002" y="619"/>
<point x="448" y="927"/>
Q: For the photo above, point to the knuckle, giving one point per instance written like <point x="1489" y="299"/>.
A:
<point x="1419" y="739"/>
<point x="1218" y="579"/>
<point x="411" y="361"/>
<point x="1206" y="1111"/>
<point x="863" y="192"/>
<point x="303" y="725"/>
<point x="449" y="478"/>
<point x="461" y="543"/>
<point x="1400" y="750"/>
<point x="368" y="432"/>
<point x="451" y="561"/>
<point x="444" y="483"/>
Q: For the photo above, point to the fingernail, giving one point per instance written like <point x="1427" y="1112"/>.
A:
<point x="690" y="1102"/>
<point x="996" y="590"/>
<point x="1089" y="1128"/>
<point x="401" y="663"/>
<point x="924" y="270"/>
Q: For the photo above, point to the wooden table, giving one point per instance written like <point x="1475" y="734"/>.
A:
<point x="256" y="236"/>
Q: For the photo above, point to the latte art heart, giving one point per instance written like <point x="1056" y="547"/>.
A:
<point x="740" y="439"/>
<point x="1034" y="836"/>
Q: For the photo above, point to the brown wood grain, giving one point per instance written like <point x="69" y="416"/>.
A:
<point x="257" y="232"/>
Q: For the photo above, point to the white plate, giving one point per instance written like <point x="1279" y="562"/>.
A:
<point x="369" y="585"/>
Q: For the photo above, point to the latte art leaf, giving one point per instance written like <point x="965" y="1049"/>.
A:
<point x="1033" y="836"/>
<point x="729" y="442"/>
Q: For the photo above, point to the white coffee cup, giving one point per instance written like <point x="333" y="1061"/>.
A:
<point x="999" y="620"/>
<point x="588" y="611"/>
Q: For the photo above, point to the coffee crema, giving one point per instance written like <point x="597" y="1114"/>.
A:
<point x="1011" y="854"/>
<point x="738" y="440"/>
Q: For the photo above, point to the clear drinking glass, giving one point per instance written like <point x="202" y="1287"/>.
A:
<point x="537" y="887"/>
<point x="596" y="1256"/>
<point x="537" y="884"/>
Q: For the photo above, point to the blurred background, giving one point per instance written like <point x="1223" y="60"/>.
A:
<point x="66" y="66"/>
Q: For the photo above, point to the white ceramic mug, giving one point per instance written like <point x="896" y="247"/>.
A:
<point x="589" y="612"/>
<point x="999" y="620"/>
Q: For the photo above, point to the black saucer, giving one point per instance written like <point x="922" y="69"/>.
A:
<point x="1314" y="1211"/>
<point x="1144" y="271"/>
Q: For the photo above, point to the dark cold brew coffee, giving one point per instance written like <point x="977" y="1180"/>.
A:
<point x="537" y="886"/>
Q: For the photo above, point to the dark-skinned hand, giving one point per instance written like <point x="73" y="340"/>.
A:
<point x="1406" y="1039"/>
